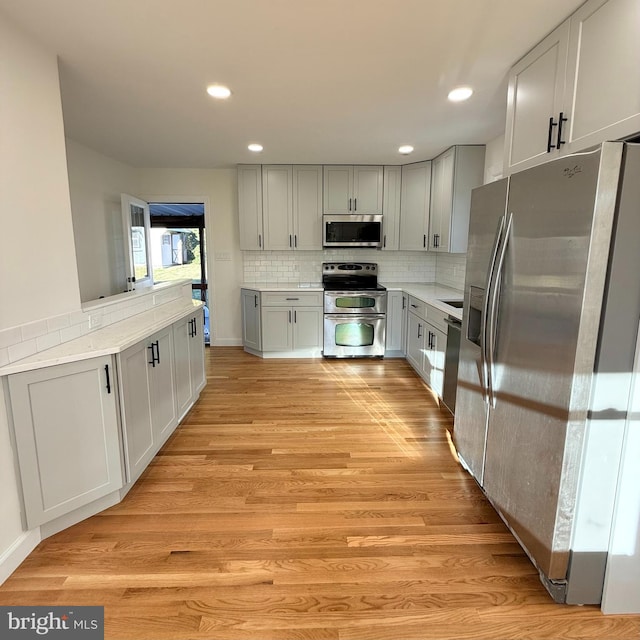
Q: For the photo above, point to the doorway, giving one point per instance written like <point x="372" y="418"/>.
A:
<point x="177" y="246"/>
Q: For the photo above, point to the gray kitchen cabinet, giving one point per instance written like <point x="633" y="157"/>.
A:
<point x="188" y="341"/>
<point x="292" y="207"/>
<point x="391" y="208"/>
<point x="251" y="330"/>
<point x="149" y="407"/>
<point x="414" y="206"/>
<point x="67" y="435"/>
<point x="454" y="174"/>
<point x="291" y="321"/>
<point x="577" y="87"/>
<point x="396" y="323"/>
<point x="250" y="206"/>
<point x="353" y="189"/>
<point x="427" y="343"/>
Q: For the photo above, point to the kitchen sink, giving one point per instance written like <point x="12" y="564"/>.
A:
<point x="457" y="304"/>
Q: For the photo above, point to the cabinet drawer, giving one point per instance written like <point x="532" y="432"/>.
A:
<point x="436" y="318"/>
<point x="418" y="307"/>
<point x="292" y="299"/>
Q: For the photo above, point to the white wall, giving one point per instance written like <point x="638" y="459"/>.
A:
<point x="96" y="182"/>
<point x="38" y="277"/>
<point x="494" y="159"/>
<point x="224" y="258"/>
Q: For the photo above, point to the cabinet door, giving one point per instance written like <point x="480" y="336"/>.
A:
<point x="196" y="355"/>
<point x="251" y="333"/>
<point x="181" y="347"/>
<point x="604" y="51"/>
<point x="250" y="206"/>
<point x="338" y="189"/>
<point x="367" y="190"/>
<point x="415" y="342"/>
<point x="433" y="363"/>
<point x="65" y="420"/>
<point x="307" y="207"/>
<point x="391" y="208"/>
<point x="164" y="414"/>
<point x="394" y="321"/>
<point x="536" y="94"/>
<point x="135" y="394"/>
<point x="414" y="206"/>
<point x="277" y="207"/>
<point x="441" y="201"/>
<point x="307" y="328"/>
<point x="277" y="333"/>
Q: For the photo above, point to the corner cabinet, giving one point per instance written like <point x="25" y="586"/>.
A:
<point x="583" y="78"/>
<point x="453" y="176"/>
<point x="67" y="436"/>
<point x="414" y="206"/>
<point x="353" y="189"/>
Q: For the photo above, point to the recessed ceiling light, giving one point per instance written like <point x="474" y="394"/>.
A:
<point x="256" y="148"/>
<point x="460" y="94"/>
<point x="405" y="149"/>
<point x="218" y="91"/>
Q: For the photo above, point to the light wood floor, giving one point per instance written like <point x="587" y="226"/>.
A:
<point x="305" y="500"/>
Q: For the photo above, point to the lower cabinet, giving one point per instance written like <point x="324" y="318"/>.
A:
<point x="396" y="338"/>
<point x="288" y="323"/>
<point x="148" y="392"/>
<point x="188" y="342"/>
<point x="86" y="429"/>
<point x="67" y="436"/>
<point x="427" y="343"/>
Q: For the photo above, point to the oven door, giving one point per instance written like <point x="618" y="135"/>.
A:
<point x="353" y="336"/>
<point x="355" y="302"/>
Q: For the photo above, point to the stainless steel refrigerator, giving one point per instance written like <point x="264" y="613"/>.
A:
<point x="551" y="313"/>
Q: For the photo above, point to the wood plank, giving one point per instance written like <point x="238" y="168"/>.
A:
<point x="305" y="500"/>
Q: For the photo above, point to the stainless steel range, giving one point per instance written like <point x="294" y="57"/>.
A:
<point x="355" y="308"/>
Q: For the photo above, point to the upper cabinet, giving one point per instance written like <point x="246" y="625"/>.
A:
<point x="353" y="189"/>
<point x="414" y="206"/>
<point x="577" y="87"/>
<point x="250" y="206"/>
<point x="391" y="208"/>
<point x="453" y="175"/>
<point x="292" y="207"/>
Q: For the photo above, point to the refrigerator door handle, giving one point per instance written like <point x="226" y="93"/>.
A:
<point x="493" y="308"/>
<point x="484" y="359"/>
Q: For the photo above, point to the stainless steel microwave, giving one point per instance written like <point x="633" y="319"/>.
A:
<point x="352" y="230"/>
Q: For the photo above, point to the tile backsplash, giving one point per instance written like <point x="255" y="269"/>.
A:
<point x="28" y="339"/>
<point x="393" y="266"/>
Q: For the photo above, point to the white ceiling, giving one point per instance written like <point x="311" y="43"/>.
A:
<point x="314" y="81"/>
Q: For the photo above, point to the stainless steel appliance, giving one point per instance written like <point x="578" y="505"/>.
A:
<point x="355" y="307"/>
<point x="352" y="230"/>
<point x="551" y="313"/>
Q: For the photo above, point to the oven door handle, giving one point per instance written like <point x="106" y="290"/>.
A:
<point x="354" y="316"/>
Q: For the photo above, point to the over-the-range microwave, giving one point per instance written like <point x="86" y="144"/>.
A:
<point x="352" y="230"/>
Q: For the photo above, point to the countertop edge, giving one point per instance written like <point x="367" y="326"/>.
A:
<point x="112" y="339"/>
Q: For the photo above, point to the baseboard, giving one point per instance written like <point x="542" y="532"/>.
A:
<point x="13" y="557"/>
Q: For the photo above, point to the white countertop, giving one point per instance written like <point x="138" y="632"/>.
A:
<point x="428" y="292"/>
<point x="283" y="286"/>
<point x="431" y="293"/>
<point x="111" y="339"/>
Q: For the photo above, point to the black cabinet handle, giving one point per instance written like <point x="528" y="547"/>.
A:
<point x="289" y="316"/>
<point x="195" y="327"/>
<point x="561" y="119"/>
<point x="424" y="241"/>
<point x="436" y="240"/>
<point x="106" y="371"/>
<point x="355" y="204"/>
<point x="419" y="328"/>
<point x="260" y="240"/>
<point x="155" y="353"/>
<point x="295" y="316"/>
<point x="550" y="134"/>
<point x="255" y="300"/>
<point x="384" y="241"/>
<point x="295" y="240"/>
